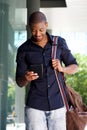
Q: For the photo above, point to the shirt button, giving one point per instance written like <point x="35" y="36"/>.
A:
<point x="47" y="74"/>
<point x="48" y="86"/>
<point x="44" y="54"/>
<point x="48" y="96"/>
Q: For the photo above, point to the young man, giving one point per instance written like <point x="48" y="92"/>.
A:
<point x="44" y="106"/>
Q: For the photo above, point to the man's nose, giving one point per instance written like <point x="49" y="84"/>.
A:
<point x="37" y="33"/>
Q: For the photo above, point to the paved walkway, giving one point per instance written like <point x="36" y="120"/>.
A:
<point x="21" y="127"/>
<point x="16" y="127"/>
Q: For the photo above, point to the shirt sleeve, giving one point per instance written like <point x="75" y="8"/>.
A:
<point x="66" y="56"/>
<point x="21" y="67"/>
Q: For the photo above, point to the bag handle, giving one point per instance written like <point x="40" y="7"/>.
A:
<point x="54" y="50"/>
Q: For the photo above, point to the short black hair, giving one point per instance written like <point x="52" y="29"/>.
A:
<point x="37" y="17"/>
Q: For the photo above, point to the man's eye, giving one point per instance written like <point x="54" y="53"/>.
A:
<point x="41" y="30"/>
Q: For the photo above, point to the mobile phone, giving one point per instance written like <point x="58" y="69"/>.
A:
<point x="37" y="68"/>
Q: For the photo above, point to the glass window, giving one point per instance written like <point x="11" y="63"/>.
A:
<point x="12" y="34"/>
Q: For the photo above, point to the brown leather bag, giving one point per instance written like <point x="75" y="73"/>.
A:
<point x="76" y="100"/>
<point x="76" y="120"/>
<point x="76" y="117"/>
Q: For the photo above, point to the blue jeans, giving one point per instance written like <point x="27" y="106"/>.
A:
<point x="45" y="120"/>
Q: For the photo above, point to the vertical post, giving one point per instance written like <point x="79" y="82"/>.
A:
<point x="3" y="64"/>
<point x="33" y="5"/>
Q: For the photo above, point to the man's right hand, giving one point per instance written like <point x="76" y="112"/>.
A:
<point x="30" y="75"/>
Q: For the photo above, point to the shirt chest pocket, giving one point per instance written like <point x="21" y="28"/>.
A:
<point x="34" y="58"/>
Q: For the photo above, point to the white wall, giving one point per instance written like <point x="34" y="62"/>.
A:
<point x="67" y="19"/>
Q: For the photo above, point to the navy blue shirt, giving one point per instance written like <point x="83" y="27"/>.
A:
<point x="44" y="94"/>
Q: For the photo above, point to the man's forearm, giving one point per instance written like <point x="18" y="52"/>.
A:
<point x="71" y="69"/>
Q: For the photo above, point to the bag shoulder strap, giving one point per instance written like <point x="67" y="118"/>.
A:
<point x="54" y="50"/>
<point x="54" y="46"/>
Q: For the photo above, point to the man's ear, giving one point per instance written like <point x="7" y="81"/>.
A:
<point x="46" y="24"/>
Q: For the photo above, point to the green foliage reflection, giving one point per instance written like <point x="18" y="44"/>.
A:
<point x="79" y="80"/>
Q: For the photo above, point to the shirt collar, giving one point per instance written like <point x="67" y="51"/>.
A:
<point x="50" y="38"/>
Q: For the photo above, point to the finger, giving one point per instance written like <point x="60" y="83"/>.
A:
<point x="56" y="67"/>
<point x="33" y="77"/>
<point x="29" y="72"/>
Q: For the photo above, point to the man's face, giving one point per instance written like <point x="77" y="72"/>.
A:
<point x="38" y="31"/>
